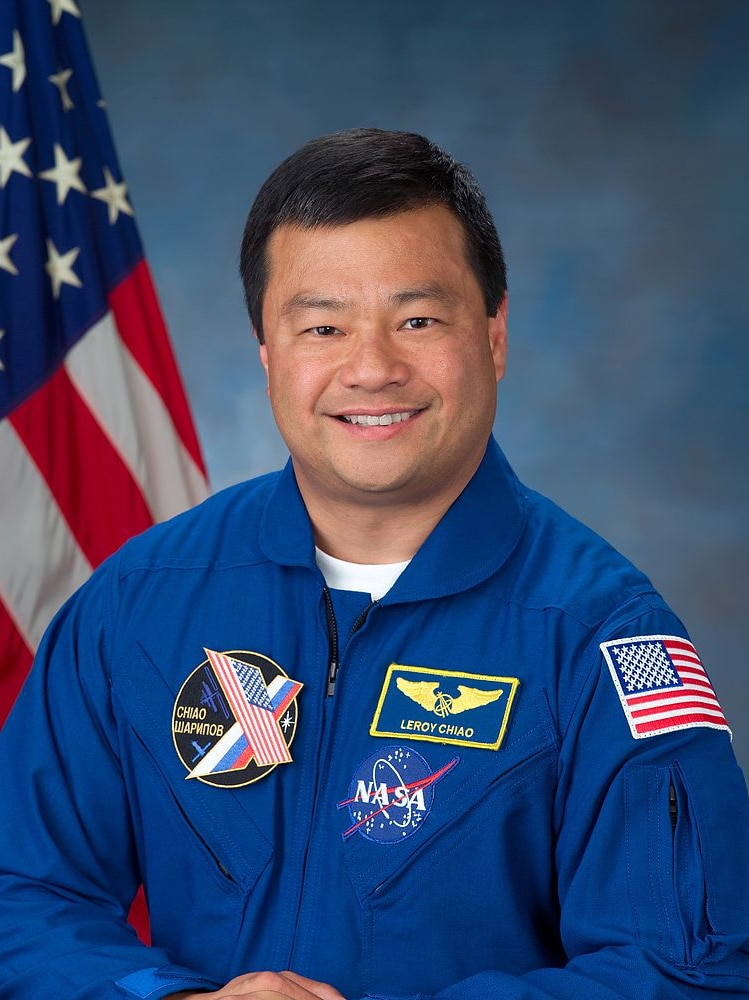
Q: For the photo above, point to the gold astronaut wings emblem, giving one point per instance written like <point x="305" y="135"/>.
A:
<point x="426" y="694"/>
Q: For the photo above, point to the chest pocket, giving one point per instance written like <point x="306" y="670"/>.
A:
<point x="195" y="842"/>
<point x="453" y="890"/>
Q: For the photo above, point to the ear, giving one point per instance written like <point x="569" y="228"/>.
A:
<point x="498" y="339"/>
<point x="263" y="352"/>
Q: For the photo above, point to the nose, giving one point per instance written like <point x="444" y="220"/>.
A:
<point x="373" y="361"/>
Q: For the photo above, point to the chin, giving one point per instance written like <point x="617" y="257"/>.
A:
<point x="380" y="486"/>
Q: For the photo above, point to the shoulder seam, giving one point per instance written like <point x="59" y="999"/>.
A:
<point x="187" y="565"/>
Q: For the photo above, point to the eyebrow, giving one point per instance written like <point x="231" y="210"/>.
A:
<point x="429" y="291"/>
<point x="301" y="301"/>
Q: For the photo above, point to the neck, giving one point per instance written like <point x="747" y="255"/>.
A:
<point x="380" y="532"/>
<point x="365" y="539"/>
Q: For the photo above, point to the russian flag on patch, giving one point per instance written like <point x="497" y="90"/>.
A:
<point x="662" y="685"/>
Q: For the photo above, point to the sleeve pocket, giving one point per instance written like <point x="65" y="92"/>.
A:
<point x="687" y="859"/>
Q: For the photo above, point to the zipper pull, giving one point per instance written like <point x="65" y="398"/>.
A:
<point x="673" y="809"/>
<point x="332" y="674"/>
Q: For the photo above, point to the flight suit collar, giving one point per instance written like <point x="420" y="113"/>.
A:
<point x="473" y="539"/>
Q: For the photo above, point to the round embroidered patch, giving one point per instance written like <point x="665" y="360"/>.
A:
<point x="234" y="718"/>
<point x="391" y="794"/>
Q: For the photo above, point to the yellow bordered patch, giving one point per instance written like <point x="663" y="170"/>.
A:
<point x="444" y="706"/>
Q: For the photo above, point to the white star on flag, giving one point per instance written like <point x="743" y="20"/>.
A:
<point x="16" y="61"/>
<point x="115" y="195"/>
<point x="5" y="247"/>
<point x="60" y="268"/>
<point x="11" y="157"/>
<point x="60" y="7"/>
<point x="64" y="174"/>
<point x="60" y="80"/>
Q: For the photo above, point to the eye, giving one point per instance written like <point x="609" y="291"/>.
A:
<point x="323" y="331"/>
<point x="418" y="323"/>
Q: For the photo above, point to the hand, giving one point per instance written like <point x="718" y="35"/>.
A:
<point x="268" y="986"/>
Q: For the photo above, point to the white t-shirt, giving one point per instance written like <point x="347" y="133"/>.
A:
<point x="374" y="579"/>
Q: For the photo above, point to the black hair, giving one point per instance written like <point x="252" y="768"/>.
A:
<point x="363" y="173"/>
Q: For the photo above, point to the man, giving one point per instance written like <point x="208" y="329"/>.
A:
<point x="387" y="719"/>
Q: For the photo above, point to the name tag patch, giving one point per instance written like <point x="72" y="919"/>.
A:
<point x="444" y="706"/>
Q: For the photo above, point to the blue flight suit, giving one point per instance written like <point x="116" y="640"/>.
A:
<point x="470" y="810"/>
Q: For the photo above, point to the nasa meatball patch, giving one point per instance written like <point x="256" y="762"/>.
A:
<point x="391" y="794"/>
<point x="234" y="718"/>
<point x="444" y="706"/>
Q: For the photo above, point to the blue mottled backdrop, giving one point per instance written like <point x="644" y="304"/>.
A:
<point x="612" y="140"/>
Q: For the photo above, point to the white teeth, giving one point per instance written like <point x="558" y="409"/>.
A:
<point x="368" y="420"/>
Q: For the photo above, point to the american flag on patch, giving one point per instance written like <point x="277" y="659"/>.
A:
<point x="662" y="685"/>
<point x="233" y="751"/>
<point x="247" y="694"/>
<point x="96" y="437"/>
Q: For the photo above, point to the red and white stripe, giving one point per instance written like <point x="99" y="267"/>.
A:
<point x="259" y="725"/>
<point x="693" y="704"/>
<point x="102" y="450"/>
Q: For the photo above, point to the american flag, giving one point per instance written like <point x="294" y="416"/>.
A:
<point x="248" y="696"/>
<point x="233" y="751"/>
<point x="96" y="437"/>
<point x="662" y="684"/>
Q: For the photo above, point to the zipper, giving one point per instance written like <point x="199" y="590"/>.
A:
<point x="334" y="652"/>
<point x="220" y="866"/>
<point x="673" y="809"/>
<point x="333" y="665"/>
<point x="332" y="642"/>
<point x="683" y="902"/>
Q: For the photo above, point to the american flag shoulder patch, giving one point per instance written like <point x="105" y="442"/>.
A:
<point x="662" y="685"/>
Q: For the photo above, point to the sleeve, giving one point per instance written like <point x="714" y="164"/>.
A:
<point x="64" y="893"/>
<point x="652" y="842"/>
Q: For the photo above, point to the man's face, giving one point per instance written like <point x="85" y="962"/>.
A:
<point x="382" y="364"/>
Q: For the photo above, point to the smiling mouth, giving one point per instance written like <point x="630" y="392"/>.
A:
<point x="384" y="420"/>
